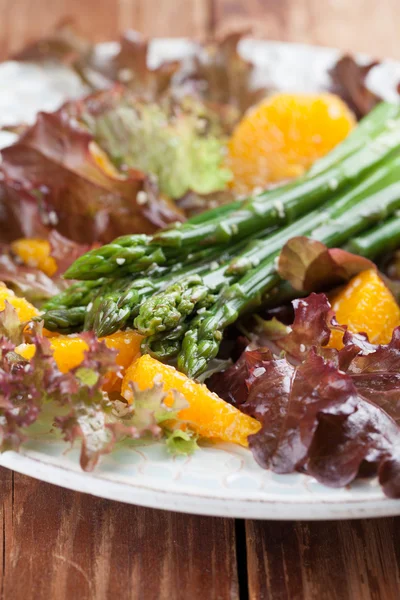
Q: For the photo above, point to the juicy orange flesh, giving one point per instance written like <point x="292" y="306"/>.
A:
<point x="127" y="343"/>
<point x="24" y="309"/>
<point x="283" y="136"/>
<point x="207" y="414"/>
<point x="35" y="253"/>
<point x="366" y="305"/>
<point x="69" y="352"/>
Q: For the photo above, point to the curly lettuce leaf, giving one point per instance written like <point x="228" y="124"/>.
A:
<point x="179" y="143"/>
<point x="29" y="282"/>
<point x="214" y="71"/>
<point x="181" y="443"/>
<point x="55" y="177"/>
<point x="220" y="75"/>
<point x="32" y="283"/>
<point x="323" y="411"/>
<point x="11" y="327"/>
<point x="36" y="392"/>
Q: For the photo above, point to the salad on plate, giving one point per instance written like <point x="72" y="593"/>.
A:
<point x="188" y="257"/>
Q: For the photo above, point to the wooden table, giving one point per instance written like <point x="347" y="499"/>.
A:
<point x="58" y="544"/>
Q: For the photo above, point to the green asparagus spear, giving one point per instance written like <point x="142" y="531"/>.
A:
<point x="374" y="199"/>
<point x="160" y="313"/>
<point x="166" y="310"/>
<point x="382" y="239"/>
<point x="77" y="294"/>
<point x="279" y="206"/>
<point x="64" y="320"/>
<point x="118" y="302"/>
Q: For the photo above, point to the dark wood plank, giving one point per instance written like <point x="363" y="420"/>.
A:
<point x="324" y="560"/>
<point x="63" y="545"/>
<point x="26" y="20"/>
<point x="360" y="25"/>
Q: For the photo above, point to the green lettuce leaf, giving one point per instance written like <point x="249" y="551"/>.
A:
<point x="181" y="442"/>
<point x="179" y="143"/>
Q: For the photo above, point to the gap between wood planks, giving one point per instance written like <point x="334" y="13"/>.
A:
<point x="241" y="559"/>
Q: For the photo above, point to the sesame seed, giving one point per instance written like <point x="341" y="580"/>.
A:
<point x="258" y="371"/>
<point x="279" y="209"/>
<point x="89" y="307"/>
<point x="333" y="184"/>
<point x="142" y="197"/>
<point x="120" y="261"/>
<point x="53" y="219"/>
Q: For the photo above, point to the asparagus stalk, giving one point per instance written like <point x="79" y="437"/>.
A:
<point x="371" y="201"/>
<point x="119" y="301"/>
<point x="278" y="206"/>
<point x="77" y="294"/>
<point x="383" y="238"/>
<point x="167" y="309"/>
<point x="64" y="320"/>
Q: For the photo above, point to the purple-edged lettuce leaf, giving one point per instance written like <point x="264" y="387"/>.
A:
<point x="65" y="251"/>
<point x="326" y="412"/>
<point x="221" y="76"/>
<point x="29" y="282"/>
<point x="52" y="179"/>
<point x="36" y="398"/>
<point x="233" y="384"/>
<point x="308" y="265"/>
<point x="348" y="79"/>
<point x="129" y="66"/>
<point x="214" y="71"/>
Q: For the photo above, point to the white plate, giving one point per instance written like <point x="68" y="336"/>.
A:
<point x="220" y="480"/>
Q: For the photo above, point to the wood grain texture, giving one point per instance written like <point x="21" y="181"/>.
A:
<point x="349" y="560"/>
<point x="22" y="21"/>
<point x="357" y="25"/>
<point x="59" y="545"/>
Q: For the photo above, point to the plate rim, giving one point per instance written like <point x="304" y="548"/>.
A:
<point x="199" y="504"/>
<point x="203" y="502"/>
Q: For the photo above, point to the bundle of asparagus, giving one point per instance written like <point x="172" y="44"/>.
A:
<point x="183" y="286"/>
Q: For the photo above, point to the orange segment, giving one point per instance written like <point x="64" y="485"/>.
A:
<point x="69" y="352"/>
<point x="27" y="351"/>
<point x="283" y="136"/>
<point x="207" y="413"/>
<point x="35" y="253"/>
<point x="127" y="343"/>
<point x="366" y="305"/>
<point x="24" y="309"/>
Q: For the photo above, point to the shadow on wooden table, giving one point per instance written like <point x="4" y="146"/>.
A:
<point x="59" y="544"/>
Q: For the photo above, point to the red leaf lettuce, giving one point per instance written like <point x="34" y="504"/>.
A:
<point x="325" y="412"/>
<point x="36" y="392"/>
